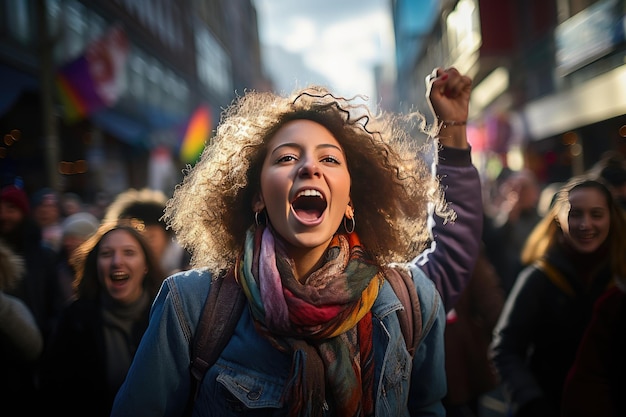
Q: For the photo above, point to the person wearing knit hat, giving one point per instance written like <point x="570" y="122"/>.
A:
<point x="16" y="196"/>
<point x="76" y="228"/>
<point x="13" y="207"/>
<point x="21" y="233"/>
<point x="46" y="208"/>
<point x="80" y="225"/>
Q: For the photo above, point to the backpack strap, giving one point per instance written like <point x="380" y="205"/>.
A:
<point x="410" y="317"/>
<point x="221" y="312"/>
<point x="555" y="276"/>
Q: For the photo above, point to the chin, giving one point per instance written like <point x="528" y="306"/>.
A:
<point x="310" y="239"/>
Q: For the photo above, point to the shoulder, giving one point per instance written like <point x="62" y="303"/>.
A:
<point x="430" y="301"/>
<point x="425" y="286"/>
<point x="82" y="307"/>
<point x="431" y="304"/>
<point x="184" y="294"/>
<point x="80" y="315"/>
<point x="188" y="284"/>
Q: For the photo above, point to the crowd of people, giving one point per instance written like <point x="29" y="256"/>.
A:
<point x="76" y="287"/>
<point x="309" y="203"/>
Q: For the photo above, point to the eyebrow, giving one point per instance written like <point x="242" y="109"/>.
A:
<point x="295" y="145"/>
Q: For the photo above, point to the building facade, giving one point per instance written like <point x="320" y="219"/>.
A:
<point x="549" y="78"/>
<point x="99" y="95"/>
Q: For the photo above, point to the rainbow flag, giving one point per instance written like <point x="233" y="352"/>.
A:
<point x="196" y="135"/>
<point x="94" y="80"/>
<point x="76" y="90"/>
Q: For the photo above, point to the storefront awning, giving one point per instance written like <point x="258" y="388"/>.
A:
<point x="598" y="99"/>
<point x="121" y="126"/>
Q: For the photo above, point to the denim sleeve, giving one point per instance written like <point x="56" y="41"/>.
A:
<point x="450" y="260"/>
<point x="158" y="381"/>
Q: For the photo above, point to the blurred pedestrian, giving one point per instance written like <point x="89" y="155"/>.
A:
<point x="77" y="228"/>
<point x="71" y="203"/>
<point x="22" y="234"/>
<point x="510" y="223"/>
<point x="97" y="335"/>
<point x="612" y="169"/>
<point x="596" y="383"/>
<point x="469" y="370"/>
<point x="572" y="256"/>
<point x="46" y="208"/>
<point x="145" y="208"/>
<point x="21" y="342"/>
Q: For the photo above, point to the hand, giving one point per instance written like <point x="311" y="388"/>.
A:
<point x="448" y="94"/>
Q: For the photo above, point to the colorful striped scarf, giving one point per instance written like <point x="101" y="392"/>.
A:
<point x="325" y="323"/>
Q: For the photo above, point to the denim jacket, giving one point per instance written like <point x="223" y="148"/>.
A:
<point x="251" y="374"/>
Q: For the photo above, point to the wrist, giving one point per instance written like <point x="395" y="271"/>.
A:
<point x="449" y="123"/>
<point x="453" y="133"/>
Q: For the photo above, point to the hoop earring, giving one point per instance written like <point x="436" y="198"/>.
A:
<point x="256" y="218"/>
<point x="345" y="226"/>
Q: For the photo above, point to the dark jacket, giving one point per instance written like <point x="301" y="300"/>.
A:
<point x="468" y="335"/>
<point x="596" y="383"/>
<point x="452" y="257"/>
<point x="38" y="287"/>
<point x="74" y="374"/>
<point x="541" y="325"/>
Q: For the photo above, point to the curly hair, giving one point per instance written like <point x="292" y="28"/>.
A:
<point x="394" y="190"/>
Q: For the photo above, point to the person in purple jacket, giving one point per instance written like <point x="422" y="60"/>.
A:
<point x="307" y="200"/>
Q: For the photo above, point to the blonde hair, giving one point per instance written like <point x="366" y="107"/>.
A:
<point x="393" y="187"/>
<point x="547" y="232"/>
<point x="133" y="197"/>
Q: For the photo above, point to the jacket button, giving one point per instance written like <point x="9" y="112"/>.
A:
<point x="254" y="395"/>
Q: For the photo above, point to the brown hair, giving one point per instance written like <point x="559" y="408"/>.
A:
<point x="393" y="187"/>
<point x="85" y="264"/>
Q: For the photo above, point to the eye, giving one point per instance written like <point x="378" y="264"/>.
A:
<point x="331" y="159"/>
<point x="575" y="214"/>
<point x="597" y="214"/>
<point x="286" y="158"/>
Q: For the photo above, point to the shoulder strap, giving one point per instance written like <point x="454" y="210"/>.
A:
<point x="555" y="276"/>
<point x="410" y="316"/>
<point x="219" y="318"/>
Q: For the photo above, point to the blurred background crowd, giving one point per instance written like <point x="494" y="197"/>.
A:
<point x="104" y="103"/>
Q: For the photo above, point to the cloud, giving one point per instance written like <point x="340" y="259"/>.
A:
<point x="339" y="42"/>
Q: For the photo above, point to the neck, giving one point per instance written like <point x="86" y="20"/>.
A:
<point x="306" y="260"/>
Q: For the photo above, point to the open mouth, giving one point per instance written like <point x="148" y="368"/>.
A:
<point x="119" y="276"/>
<point x="309" y="205"/>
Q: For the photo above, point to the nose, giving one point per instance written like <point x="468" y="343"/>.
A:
<point x="309" y="168"/>
<point x="584" y="221"/>
<point x="116" y="259"/>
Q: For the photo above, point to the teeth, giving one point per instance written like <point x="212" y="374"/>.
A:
<point x="118" y="276"/>
<point x="309" y="193"/>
